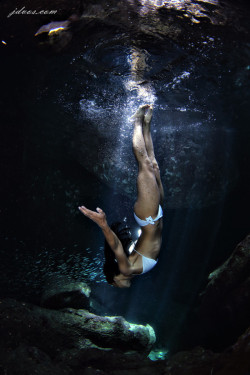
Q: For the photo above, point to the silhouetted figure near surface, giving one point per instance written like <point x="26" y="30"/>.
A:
<point x="122" y="263"/>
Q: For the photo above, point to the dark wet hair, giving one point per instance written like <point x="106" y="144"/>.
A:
<point x="110" y="267"/>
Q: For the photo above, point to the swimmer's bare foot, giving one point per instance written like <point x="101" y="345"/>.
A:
<point x="148" y="115"/>
<point x="139" y="114"/>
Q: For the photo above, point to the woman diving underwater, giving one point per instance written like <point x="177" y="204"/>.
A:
<point x="121" y="265"/>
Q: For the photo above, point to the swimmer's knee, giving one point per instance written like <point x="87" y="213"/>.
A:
<point x="139" y="152"/>
<point x="155" y="166"/>
<point x="147" y="164"/>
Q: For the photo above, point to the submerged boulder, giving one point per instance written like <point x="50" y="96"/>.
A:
<point x="196" y="361"/>
<point x="26" y="359"/>
<point x="35" y="340"/>
<point x="39" y="340"/>
<point x="225" y="304"/>
<point x="58" y="331"/>
<point x="235" y="360"/>
<point x="71" y="294"/>
<point x="231" y="273"/>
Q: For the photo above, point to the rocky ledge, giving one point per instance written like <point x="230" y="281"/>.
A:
<point x="59" y="341"/>
<point x="63" y="337"/>
<point x="36" y="340"/>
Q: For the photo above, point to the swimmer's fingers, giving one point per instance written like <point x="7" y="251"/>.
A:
<point x="87" y="212"/>
<point x="98" y="217"/>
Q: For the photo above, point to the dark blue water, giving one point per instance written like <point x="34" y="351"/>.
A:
<point x="67" y="141"/>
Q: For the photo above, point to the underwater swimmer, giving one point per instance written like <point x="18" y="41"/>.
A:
<point x="123" y="258"/>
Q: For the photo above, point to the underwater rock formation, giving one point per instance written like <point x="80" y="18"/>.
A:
<point x="160" y="19"/>
<point x="78" y="329"/>
<point x="39" y="341"/>
<point x="74" y="294"/>
<point x="233" y="361"/>
<point x="225" y="304"/>
<point x="36" y="340"/>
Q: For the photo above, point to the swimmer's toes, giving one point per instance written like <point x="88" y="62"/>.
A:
<point x="148" y="115"/>
<point x="139" y="114"/>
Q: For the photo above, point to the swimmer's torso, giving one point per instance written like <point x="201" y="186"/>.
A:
<point x="149" y="242"/>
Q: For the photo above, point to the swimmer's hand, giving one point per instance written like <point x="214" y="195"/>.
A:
<point x="97" y="216"/>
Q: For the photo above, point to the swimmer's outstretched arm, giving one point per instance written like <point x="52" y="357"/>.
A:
<point x="99" y="217"/>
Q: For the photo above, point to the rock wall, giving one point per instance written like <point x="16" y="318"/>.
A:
<point x="225" y="303"/>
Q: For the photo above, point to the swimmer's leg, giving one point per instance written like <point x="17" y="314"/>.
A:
<point x="150" y="148"/>
<point x="139" y="146"/>
<point x="148" y="197"/>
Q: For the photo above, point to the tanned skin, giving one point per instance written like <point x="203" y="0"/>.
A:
<point x="149" y="195"/>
